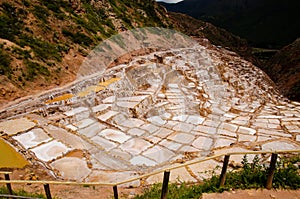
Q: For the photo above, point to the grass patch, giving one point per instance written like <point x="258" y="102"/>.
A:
<point x="251" y="175"/>
<point x="3" y="190"/>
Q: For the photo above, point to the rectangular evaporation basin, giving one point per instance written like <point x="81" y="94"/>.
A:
<point x="9" y="157"/>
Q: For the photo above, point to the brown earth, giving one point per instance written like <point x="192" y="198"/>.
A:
<point x="95" y="192"/>
<point x="63" y="25"/>
<point x="284" y="70"/>
<point x="62" y="72"/>
<point x="65" y="191"/>
<point x="259" y="193"/>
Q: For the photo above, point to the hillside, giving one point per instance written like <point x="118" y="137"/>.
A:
<point x="264" y="23"/>
<point x="217" y="36"/>
<point x="42" y="43"/>
<point x="284" y="69"/>
<point x="105" y="109"/>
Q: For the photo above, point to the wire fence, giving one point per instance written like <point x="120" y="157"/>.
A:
<point x="166" y="177"/>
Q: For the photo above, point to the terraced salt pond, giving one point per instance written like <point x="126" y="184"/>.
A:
<point x="158" y="110"/>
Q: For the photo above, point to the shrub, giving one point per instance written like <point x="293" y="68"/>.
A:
<point x="287" y="173"/>
<point x="78" y="37"/>
<point x="41" y="13"/>
<point x="34" y="69"/>
<point x="10" y="22"/>
<point x="26" y="3"/>
<point x="251" y="176"/>
<point x="22" y="53"/>
<point x="5" y="63"/>
<point x="42" y="49"/>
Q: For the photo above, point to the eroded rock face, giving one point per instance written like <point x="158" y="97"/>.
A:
<point x="162" y="108"/>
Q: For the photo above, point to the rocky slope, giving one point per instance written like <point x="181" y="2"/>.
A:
<point x="284" y="69"/>
<point x="217" y="36"/>
<point x="43" y="43"/>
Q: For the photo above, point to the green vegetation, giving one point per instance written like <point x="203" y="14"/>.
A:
<point x="5" y="63"/>
<point x="22" y="192"/>
<point x="58" y="6"/>
<point x="34" y="69"/>
<point x="150" y="10"/>
<point x="55" y="6"/>
<point x="78" y="37"/>
<point x="43" y="50"/>
<point x="42" y="32"/>
<point x="95" y="21"/>
<point x="251" y="175"/>
<point x="26" y="3"/>
<point x="10" y="21"/>
<point x="22" y="54"/>
<point x="41" y="13"/>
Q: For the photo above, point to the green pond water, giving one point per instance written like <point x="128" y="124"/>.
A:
<point x="9" y="158"/>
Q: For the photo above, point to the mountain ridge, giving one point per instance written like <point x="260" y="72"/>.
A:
<point x="217" y="36"/>
<point x="254" y="20"/>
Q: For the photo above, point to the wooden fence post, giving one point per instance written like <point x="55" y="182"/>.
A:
<point x="8" y="185"/>
<point x="164" y="191"/>
<point x="115" y="188"/>
<point x="271" y="170"/>
<point x="47" y="191"/>
<point x="224" y="169"/>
